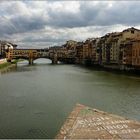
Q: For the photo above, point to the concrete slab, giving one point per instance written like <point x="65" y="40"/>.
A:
<point x="87" y="123"/>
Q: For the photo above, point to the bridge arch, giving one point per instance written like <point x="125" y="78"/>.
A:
<point x="37" y="60"/>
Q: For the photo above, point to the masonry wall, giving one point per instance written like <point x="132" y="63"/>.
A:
<point x="136" y="53"/>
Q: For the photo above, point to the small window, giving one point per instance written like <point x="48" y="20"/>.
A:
<point x="138" y="61"/>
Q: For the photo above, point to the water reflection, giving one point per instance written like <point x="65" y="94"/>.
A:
<point x="8" y="69"/>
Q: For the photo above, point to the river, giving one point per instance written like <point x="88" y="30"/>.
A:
<point x="35" y="100"/>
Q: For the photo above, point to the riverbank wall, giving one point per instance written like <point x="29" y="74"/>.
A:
<point x="108" y="67"/>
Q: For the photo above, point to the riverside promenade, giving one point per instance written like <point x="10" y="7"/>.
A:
<point x="87" y="123"/>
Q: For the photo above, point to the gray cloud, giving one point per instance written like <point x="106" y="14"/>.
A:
<point x="21" y="24"/>
<point x="48" y="39"/>
<point x="32" y="23"/>
<point x="100" y="14"/>
<point x="28" y="23"/>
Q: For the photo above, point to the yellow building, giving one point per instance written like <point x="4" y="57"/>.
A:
<point x="79" y="52"/>
<point x="136" y="53"/>
<point x="127" y="36"/>
<point x="117" y="52"/>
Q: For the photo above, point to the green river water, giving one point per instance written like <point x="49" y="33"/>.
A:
<point x="35" y="100"/>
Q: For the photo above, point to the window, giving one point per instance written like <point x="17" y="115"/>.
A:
<point x="137" y="61"/>
<point x="134" y="52"/>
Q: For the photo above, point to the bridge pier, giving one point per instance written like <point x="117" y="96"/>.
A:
<point x="54" y="59"/>
<point x="30" y="61"/>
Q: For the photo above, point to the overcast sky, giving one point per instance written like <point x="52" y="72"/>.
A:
<point x="47" y="23"/>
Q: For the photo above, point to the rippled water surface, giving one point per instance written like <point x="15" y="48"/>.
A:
<point x="35" y="100"/>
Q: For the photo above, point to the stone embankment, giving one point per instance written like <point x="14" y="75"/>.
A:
<point x="88" y="123"/>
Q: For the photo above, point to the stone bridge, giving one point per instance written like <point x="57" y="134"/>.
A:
<point x="31" y="54"/>
<point x="54" y="54"/>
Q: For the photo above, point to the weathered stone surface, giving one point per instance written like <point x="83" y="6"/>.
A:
<point x="88" y="123"/>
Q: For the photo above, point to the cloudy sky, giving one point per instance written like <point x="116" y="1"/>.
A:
<point x="47" y="23"/>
